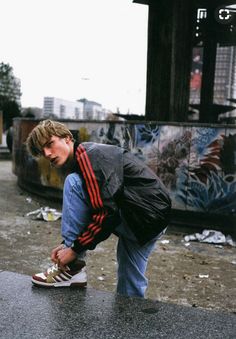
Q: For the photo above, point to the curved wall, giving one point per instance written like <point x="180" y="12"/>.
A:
<point x="196" y="162"/>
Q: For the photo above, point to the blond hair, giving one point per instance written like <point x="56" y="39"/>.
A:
<point x="42" y="133"/>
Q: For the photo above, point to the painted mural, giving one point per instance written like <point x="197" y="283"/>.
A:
<point x="196" y="163"/>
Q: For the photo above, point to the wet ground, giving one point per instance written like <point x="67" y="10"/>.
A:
<point x="198" y="275"/>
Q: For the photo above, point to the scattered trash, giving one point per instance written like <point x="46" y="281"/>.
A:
<point x="165" y="241"/>
<point x="187" y="244"/>
<point x="211" y="236"/>
<point x="203" y="275"/>
<point x="187" y="277"/>
<point x="230" y="241"/>
<point x="233" y="262"/>
<point x="45" y="213"/>
<point x="100" y="278"/>
<point x="29" y="200"/>
<point x="28" y="232"/>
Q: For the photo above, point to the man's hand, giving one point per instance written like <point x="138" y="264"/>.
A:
<point x="65" y="256"/>
<point x="55" y="252"/>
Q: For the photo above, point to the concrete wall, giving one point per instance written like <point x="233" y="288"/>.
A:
<point x="196" y="162"/>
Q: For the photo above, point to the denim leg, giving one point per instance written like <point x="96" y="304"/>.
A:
<point x="76" y="211"/>
<point x="132" y="263"/>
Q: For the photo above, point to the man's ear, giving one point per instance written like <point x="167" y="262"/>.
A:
<point x="67" y="139"/>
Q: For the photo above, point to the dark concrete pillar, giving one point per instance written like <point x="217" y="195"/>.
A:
<point x="206" y="113"/>
<point x="210" y="37"/>
<point x="170" y="30"/>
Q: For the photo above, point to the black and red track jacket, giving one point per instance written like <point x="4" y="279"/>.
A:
<point x="117" y="181"/>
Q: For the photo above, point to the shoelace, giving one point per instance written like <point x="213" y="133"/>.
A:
<point x="53" y="268"/>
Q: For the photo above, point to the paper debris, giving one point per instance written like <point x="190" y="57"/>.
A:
<point x="165" y="241"/>
<point x="45" y="213"/>
<point x="100" y="278"/>
<point x="203" y="275"/>
<point x="210" y="236"/>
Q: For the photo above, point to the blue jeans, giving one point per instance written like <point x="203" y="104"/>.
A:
<point x="131" y="257"/>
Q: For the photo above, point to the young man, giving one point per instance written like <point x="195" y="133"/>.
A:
<point x="108" y="190"/>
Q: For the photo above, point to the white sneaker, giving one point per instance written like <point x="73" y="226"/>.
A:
<point x="57" y="277"/>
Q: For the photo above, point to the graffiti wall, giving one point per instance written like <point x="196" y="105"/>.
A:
<point x="196" y="163"/>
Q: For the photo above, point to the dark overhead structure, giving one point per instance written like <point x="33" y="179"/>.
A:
<point x="175" y="27"/>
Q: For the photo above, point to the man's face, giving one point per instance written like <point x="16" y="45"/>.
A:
<point x="57" y="150"/>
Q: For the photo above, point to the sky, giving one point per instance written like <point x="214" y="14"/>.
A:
<point x="73" y="49"/>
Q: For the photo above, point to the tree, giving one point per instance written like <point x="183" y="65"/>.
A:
<point x="28" y="112"/>
<point x="9" y="95"/>
<point x="10" y="110"/>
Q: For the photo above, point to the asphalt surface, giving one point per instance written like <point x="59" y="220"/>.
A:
<point x="32" y="312"/>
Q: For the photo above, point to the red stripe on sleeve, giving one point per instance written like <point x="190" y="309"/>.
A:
<point x="94" y="195"/>
<point x="91" y="195"/>
<point x="93" y="178"/>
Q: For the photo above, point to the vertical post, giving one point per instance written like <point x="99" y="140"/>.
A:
<point x="170" y="30"/>
<point x="1" y="127"/>
<point x="208" y="77"/>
